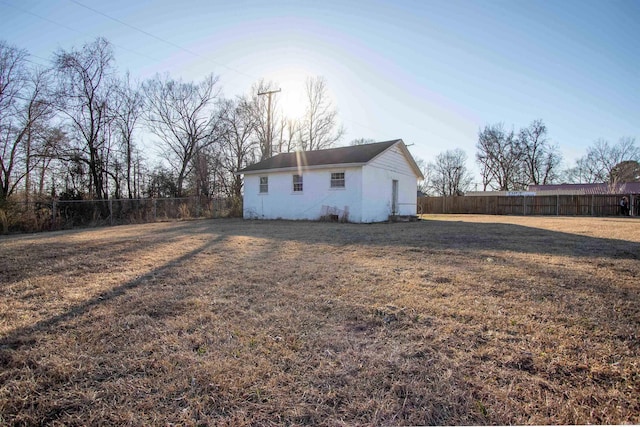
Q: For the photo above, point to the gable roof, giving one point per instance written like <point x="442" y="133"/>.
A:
<point x="352" y="155"/>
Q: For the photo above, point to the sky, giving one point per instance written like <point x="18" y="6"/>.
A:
<point x="431" y="72"/>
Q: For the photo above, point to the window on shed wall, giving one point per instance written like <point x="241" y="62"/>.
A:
<point x="297" y="182"/>
<point x="337" y="179"/>
<point x="264" y="184"/>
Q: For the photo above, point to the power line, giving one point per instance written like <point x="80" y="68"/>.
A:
<point x="269" y="93"/>
<point x="151" y="35"/>
<point x="177" y="46"/>
<point x="133" y="27"/>
<point x="35" y="62"/>
<point x="39" y="16"/>
<point x="129" y="26"/>
<point x="66" y="27"/>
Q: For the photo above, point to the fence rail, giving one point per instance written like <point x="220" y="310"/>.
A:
<point x="63" y="214"/>
<point x="565" y="205"/>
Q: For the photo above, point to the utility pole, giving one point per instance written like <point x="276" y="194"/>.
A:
<point x="269" y="148"/>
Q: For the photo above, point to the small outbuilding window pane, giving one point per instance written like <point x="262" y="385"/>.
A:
<point x="297" y="182"/>
<point x="264" y="184"/>
<point x="337" y="180"/>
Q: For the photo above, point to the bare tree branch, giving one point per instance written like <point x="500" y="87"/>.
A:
<point x="25" y="107"/>
<point x="602" y="159"/>
<point x="319" y="127"/>
<point x="448" y="174"/>
<point x="183" y="116"/>
<point x="500" y="157"/>
<point x="85" y="90"/>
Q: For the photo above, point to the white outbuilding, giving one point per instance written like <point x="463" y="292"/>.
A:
<point x="361" y="183"/>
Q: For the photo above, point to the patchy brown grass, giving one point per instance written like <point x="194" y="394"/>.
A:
<point x="451" y="320"/>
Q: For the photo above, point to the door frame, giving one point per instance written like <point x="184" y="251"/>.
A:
<point x="394" y="197"/>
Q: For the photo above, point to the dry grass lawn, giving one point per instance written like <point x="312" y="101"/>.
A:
<point x="450" y="320"/>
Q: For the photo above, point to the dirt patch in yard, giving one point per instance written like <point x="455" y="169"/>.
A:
<point x="449" y="320"/>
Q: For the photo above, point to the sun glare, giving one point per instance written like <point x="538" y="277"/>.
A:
<point x="292" y="104"/>
<point x="291" y="81"/>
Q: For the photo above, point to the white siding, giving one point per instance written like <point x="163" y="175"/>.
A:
<point x="367" y="194"/>
<point x="393" y="160"/>
<point x="282" y="202"/>
<point x="378" y="176"/>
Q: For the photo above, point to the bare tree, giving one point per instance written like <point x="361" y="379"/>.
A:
<point x="13" y="80"/>
<point x="239" y="143"/>
<point x="50" y="143"/>
<point x="540" y="158"/>
<point x="579" y="173"/>
<point x="85" y="90"/>
<point x="500" y="158"/>
<point x="203" y="178"/>
<point x="128" y="110"/>
<point x="599" y="164"/>
<point x="269" y="120"/>
<point x="319" y="126"/>
<point x="423" y="185"/>
<point x="37" y="114"/>
<point x="362" y="141"/>
<point x="448" y="174"/>
<point x="25" y="108"/>
<point x="183" y="116"/>
<point x="288" y="130"/>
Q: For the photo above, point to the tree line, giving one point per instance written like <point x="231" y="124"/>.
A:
<point x="73" y="129"/>
<point x="511" y="161"/>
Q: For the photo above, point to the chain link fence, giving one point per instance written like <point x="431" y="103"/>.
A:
<point x="66" y="214"/>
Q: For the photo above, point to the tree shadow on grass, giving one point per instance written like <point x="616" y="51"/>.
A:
<point x="297" y="328"/>
<point x="58" y="252"/>
<point x="419" y="236"/>
<point x="24" y="336"/>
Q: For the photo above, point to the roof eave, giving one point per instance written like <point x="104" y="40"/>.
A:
<point x="303" y="168"/>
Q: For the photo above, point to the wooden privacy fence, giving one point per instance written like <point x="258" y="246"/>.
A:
<point x="569" y="205"/>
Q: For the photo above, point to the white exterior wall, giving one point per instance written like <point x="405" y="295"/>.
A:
<point x="282" y="202"/>
<point x="378" y="176"/>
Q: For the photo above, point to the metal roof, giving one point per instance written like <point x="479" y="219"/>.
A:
<point x="597" y="188"/>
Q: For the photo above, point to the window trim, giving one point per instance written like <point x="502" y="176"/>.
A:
<point x="297" y="186"/>
<point x="333" y="181"/>
<point x="263" y="188"/>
